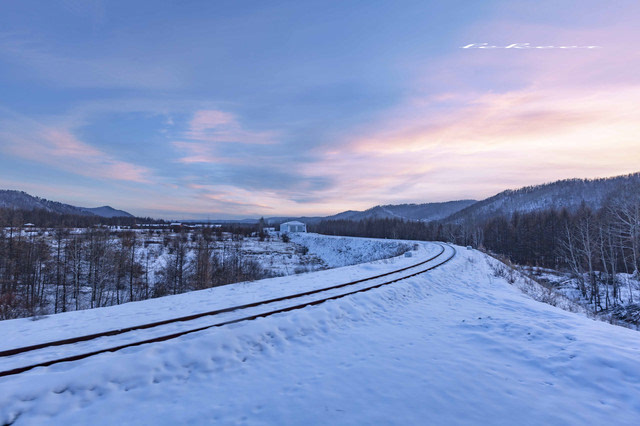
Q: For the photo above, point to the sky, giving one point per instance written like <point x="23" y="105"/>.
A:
<point x="216" y="109"/>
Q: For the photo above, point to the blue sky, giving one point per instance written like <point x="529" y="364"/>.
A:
<point x="202" y="109"/>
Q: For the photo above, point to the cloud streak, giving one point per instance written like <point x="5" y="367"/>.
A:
<point x="220" y="126"/>
<point x="209" y="129"/>
<point x="60" y="149"/>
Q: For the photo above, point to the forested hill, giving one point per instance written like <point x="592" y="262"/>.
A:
<point x="426" y="212"/>
<point x="22" y="201"/>
<point x="567" y="194"/>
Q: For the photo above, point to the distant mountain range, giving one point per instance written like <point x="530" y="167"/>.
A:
<point x="423" y="212"/>
<point x="106" y="211"/>
<point x="568" y="194"/>
<point x="22" y="200"/>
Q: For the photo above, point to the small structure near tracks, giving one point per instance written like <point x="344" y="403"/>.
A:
<point x="293" y="226"/>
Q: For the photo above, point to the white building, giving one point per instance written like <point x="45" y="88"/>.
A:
<point x="293" y="226"/>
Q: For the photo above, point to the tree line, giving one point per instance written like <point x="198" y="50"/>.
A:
<point x="594" y="245"/>
<point x="46" y="219"/>
<point x="64" y="269"/>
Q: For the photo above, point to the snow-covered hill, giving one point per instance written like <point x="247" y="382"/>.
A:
<point x="22" y="200"/>
<point x="424" y="212"/>
<point x="569" y="194"/>
<point x="458" y="345"/>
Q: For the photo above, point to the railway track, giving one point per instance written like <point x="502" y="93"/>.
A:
<point x="21" y="359"/>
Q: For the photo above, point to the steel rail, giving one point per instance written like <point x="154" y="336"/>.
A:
<point x="237" y="320"/>
<point x="71" y="340"/>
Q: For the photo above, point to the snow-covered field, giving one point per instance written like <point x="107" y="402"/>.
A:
<point x="344" y="251"/>
<point x="456" y="345"/>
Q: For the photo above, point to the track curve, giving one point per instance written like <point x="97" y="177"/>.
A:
<point x="71" y="341"/>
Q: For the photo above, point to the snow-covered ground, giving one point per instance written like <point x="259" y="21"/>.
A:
<point x="456" y="345"/>
<point x="624" y="309"/>
<point x="277" y="258"/>
<point x="156" y="259"/>
<point x="344" y="251"/>
<point x="26" y="331"/>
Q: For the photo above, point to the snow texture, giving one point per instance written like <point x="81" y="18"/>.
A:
<point x="624" y="310"/>
<point x="344" y="251"/>
<point x="456" y="345"/>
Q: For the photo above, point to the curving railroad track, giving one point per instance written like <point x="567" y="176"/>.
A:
<point x="21" y="359"/>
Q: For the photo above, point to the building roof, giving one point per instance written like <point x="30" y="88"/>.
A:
<point x="293" y="222"/>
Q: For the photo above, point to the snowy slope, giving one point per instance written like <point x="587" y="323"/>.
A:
<point x="569" y="194"/>
<point x="454" y="346"/>
<point x="344" y="251"/>
<point x="424" y="212"/>
<point x="21" y="200"/>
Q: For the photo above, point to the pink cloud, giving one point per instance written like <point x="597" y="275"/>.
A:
<point x="60" y="149"/>
<point x="208" y="119"/>
<point x="222" y="199"/>
<point x="207" y="129"/>
<point x="500" y="140"/>
<point x="220" y="126"/>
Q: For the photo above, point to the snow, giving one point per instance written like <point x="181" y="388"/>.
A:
<point x="275" y="257"/>
<point x="25" y="331"/>
<point x="343" y="251"/>
<point x="623" y="310"/>
<point x="456" y="345"/>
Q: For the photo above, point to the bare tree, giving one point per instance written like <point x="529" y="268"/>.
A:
<point x="626" y="213"/>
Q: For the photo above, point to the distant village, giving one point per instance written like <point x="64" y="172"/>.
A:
<point x="286" y="227"/>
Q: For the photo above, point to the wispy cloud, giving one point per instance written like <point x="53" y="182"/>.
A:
<point x="210" y="128"/>
<point x="225" y="198"/>
<point x="503" y="140"/>
<point x="220" y="126"/>
<point x="60" y="149"/>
